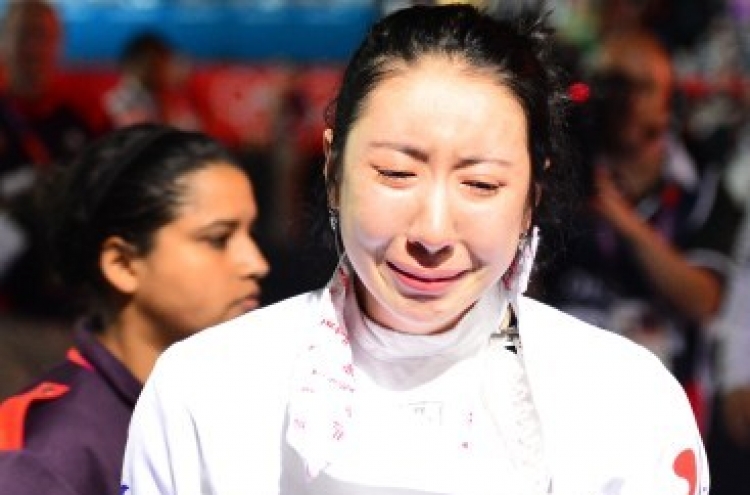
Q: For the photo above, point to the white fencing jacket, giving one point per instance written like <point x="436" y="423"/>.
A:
<point x="212" y="416"/>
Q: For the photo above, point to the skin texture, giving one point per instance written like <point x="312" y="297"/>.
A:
<point x="204" y="268"/>
<point x="434" y="193"/>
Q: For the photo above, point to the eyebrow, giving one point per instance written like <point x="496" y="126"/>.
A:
<point x="467" y="162"/>
<point x="411" y="151"/>
<point x="228" y="224"/>
<point x="423" y="156"/>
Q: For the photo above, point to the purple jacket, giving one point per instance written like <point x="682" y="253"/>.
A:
<point x="65" y="433"/>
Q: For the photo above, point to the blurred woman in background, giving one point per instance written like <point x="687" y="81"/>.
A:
<point x="151" y="225"/>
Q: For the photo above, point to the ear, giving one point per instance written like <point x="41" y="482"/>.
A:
<point x="329" y="170"/>
<point x="537" y="194"/>
<point x="528" y="219"/>
<point x="537" y="198"/>
<point x="117" y="262"/>
<point x="538" y="187"/>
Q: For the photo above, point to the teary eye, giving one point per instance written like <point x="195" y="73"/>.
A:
<point x="395" y="174"/>
<point x="482" y="186"/>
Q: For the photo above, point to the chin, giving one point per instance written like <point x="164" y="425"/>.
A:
<point x="423" y="322"/>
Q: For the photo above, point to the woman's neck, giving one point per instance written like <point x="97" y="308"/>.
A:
<point x="133" y="344"/>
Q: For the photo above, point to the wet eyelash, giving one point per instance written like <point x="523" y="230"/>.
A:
<point x="483" y="186"/>
<point x="395" y="174"/>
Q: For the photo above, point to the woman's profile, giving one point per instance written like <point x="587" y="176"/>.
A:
<point x="150" y="226"/>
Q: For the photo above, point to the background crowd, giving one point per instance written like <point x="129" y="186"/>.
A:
<point x="660" y="115"/>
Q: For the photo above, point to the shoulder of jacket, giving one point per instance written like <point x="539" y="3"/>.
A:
<point x="559" y="334"/>
<point x="15" y="409"/>
<point x="558" y="325"/>
<point x="268" y="336"/>
<point x="278" y="322"/>
<point x="598" y="372"/>
<point x="23" y="472"/>
<point x="72" y="374"/>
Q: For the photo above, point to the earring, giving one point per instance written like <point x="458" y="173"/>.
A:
<point x="517" y="276"/>
<point x="334" y="219"/>
<point x="523" y="241"/>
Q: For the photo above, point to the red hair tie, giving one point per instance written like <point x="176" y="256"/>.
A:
<point x="579" y="92"/>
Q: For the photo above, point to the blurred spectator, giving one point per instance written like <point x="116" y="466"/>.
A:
<point x="675" y="22"/>
<point x="153" y="86"/>
<point x="650" y="257"/>
<point x="615" y="15"/>
<point x="38" y="129"/>
<point x="717" y="98"/>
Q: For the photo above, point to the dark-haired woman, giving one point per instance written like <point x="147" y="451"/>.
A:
<point x="151" y="226"/>
<point x="421" y="368"/>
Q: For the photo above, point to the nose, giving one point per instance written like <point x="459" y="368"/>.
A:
<point x="433" y="232"/>
<point x="252" y="263"/>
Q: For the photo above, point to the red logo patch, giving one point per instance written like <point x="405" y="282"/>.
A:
<point x="686" y="467"/>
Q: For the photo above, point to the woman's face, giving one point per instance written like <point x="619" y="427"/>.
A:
<point x="434" y="193"/>
<point x="204" y="266"/>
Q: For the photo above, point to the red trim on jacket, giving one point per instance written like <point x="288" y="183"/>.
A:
<point x="13" y="412"/>
<point x="74" y="356"/>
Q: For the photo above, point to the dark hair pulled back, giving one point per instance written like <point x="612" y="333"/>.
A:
<point x="127" y="184"/>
